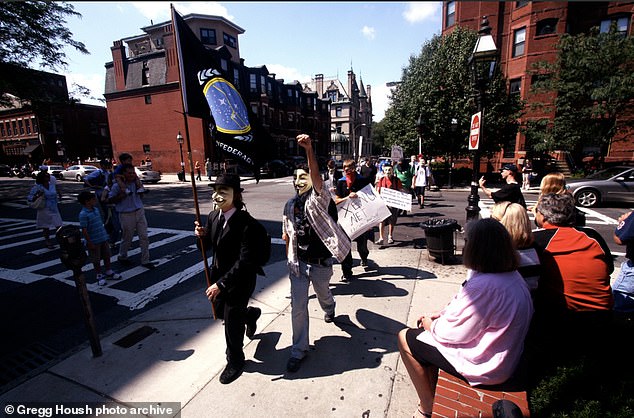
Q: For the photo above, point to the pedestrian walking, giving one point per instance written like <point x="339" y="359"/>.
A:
<point x="313" y="237"/>
<point x="131" y="216"/>
<point x="390" y="181"/>
<point x="510" y="190"/>
<point x="198" y="171"/>
<point x="96" y="237"/>
<point x="230" y="233"/>
<point x="48" y="216"/>
<point x="208" y="168"/>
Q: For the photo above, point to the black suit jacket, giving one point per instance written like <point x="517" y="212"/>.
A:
<point x="234" y="269"/>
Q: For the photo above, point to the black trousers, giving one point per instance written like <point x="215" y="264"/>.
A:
<point x="362" y="249"/>
<point x="236" y="317"/>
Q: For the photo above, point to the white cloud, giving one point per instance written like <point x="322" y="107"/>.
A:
<point x="421" y="11"/>
<point x="94" y="82"/>
<point x="380" y="101"/>
<point x="159" y="11"/>
<point x="368" y="32"/>
<point x="289" y="74"/>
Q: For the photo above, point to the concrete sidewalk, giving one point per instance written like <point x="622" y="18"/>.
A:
<point x="352" y="370"/>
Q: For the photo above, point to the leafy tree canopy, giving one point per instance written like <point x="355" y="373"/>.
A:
<point x="437" y="85"/>
<point x="32" y="32"/>
<point x="593" y="81"/>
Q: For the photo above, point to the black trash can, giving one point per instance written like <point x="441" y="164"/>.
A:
<point x="181" y="176"/>
<point x="439" y="234"/>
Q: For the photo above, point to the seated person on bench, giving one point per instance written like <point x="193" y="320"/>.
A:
<point x="479" y="335"/>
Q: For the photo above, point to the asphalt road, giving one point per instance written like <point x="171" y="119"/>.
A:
<point x="42" y="316"/>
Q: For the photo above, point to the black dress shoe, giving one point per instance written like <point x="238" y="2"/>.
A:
<point x="230" y="373"/>
<point x="293" y="364"/>
<point x="252" y="317"/>
<point x="346" y="278"/>
<point x="329" y="317"/>
<point x="364" y="262"/>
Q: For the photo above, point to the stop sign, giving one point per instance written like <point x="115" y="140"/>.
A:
<point x="474" y="136"/>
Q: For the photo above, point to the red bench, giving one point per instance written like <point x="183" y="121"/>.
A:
<point x="456" y="399"/>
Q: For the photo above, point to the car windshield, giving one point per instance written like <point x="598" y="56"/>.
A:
<point x="607" y="173"/>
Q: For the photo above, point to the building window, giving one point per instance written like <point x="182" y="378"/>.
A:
<point x="14" y="126"/>
<point x="2" y="131"/>
<point x="21" y="126"/>
<point x="522" y="3"/>
<point x="515" y="86"/>
<point x="148" y="99"/>
<point x="254" y="109"/>
<point x="338" y="111"/>
<point x="36" y="127"/>
<point x="262" y="84"/>
<point x="146" y="148"/>
<point x="269" y="89"/>
<point x="208" y="36"/>
<point x="450" y="17"/>
<point x="236" y="78"/>
<point x="253" y="83"/>
<point x="27" y="124"/>
<point x="332" y="95"/>
<point x="145" y="75"/>
<point x="8" y="125"/>
<point x="621" y="23"/>
<point x="519" y="41"/>
<point x="546" y="26"/>
<point x="224" y="64"/>
<point x="289" y="92"/>
<point x="229" y="40"/>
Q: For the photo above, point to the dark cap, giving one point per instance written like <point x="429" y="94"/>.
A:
<point x="510" y="167"/>
<point x="229" y="180"/>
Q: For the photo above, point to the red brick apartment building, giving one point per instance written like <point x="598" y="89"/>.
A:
<point x="143" y="97"/>
<point x="526" y="32"/>
<point x="52" y="128"/>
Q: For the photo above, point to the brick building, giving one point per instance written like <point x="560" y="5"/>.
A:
<point x="144" y="98"/>
<point x="527" y="32"/>
<point x="52" y="128"/>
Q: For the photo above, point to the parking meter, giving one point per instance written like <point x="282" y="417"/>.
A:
<point x="73" y="255"/>
<point x="73" y="252"/>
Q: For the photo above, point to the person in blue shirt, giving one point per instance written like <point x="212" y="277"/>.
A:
<point x="96" y="237"/>
<point x="623" y="286"/>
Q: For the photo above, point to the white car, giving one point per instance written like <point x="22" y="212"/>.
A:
<point x="77" y="172"/>
<point x="53" y="170"/>
<point x="146" y="175"/>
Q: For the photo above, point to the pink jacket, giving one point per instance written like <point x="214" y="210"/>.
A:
<point x="481" y="331"/>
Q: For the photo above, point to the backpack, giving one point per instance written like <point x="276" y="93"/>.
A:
<point x="263" y="242"/>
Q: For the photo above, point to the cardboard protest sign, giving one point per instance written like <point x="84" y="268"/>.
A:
<point x="396" y="199"/>
<point x="358" y="215"/>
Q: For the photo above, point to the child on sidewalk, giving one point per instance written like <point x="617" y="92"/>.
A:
<point x="96" y="237"/>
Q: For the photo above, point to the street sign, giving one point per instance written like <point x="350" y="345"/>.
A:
<point x="474" y="136"/>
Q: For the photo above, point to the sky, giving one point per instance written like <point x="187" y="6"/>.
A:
<point x="295" y="40"/>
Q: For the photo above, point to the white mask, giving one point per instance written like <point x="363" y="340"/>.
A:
<point x="223" y="197"/>
<point x="302" y="181"/>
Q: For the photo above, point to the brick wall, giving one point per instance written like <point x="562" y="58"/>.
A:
<point x="456" y="399"/>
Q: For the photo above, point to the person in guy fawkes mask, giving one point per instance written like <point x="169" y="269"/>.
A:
<point x="313" y="238"/>
<point x="230" y="232"/>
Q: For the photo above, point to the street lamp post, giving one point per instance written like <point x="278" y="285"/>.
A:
<point x="454" y="128"/>
<point x="419" y="130"/>
<point x="179" y="139"/>
<point x="482" y="63"/>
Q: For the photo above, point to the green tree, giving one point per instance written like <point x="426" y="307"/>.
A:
<point x="437" y="85"/>
<point x="31" y="33"/>
<point x="592" y="81"/>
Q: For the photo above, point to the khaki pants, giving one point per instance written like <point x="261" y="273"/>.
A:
<point x="131" y="221"/>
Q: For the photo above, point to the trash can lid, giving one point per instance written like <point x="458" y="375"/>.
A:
<point x="438" y="223"/>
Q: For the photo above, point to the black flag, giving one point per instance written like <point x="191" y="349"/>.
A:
<point x="207" y="94"/>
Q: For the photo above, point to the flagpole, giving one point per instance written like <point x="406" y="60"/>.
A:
<point x="189" y="155"/>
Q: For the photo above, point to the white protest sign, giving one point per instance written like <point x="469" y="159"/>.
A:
<point x="396" y="199"/>
<point x="363" y="212"/>
<point x="397" y="153"/>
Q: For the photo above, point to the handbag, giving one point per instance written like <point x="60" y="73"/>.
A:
<point x="38" y="202"/>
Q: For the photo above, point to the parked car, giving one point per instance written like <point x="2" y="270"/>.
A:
<point x="53" y="170"/>
<point x="5" y="171"/>
<point x="614" y="184"/>
<point x="77" y="172"/>
<point x="146" y="175"/>
<point x="274" y="169"/>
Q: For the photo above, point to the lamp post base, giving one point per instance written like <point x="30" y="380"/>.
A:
<point x="473" y="208"/>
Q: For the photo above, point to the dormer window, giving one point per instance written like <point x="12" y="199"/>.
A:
<point x="145" y="74"/>
<point x="208" y="36"/>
